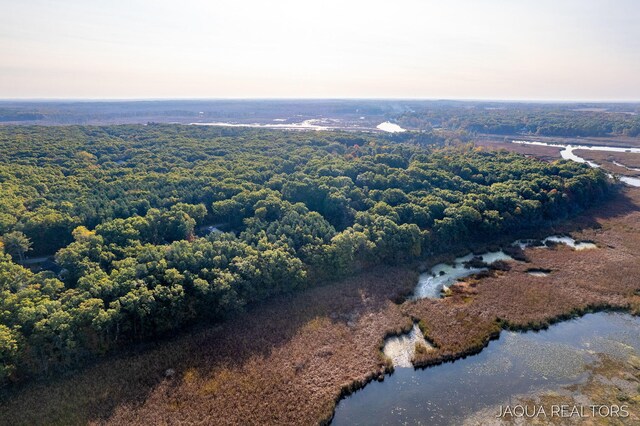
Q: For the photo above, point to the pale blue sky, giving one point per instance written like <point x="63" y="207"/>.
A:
<point x="463" y="49"/>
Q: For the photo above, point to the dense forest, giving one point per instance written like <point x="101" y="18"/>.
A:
<point x="527" y="119"/>
<point x="125" y="209"/>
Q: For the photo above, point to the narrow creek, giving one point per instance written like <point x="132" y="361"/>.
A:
<point x="433" y="283"/>
<point x="568" y="154"/>
<point x="517" y="364"/>
<point x="633" y="169"/>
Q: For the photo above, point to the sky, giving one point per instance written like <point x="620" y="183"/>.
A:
<point x="427" y="49"/>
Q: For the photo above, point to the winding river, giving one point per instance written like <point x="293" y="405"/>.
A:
<point x="633" y="169"/>
<point x="568" y="154"/>
<point x="318" y="124"/>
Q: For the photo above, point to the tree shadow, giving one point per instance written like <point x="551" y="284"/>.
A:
<point x="622" y="202"/>
<point x="128" y="379"/>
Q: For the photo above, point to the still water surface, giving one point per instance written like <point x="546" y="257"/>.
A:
<point x="516" y="364"/>
<point x="431" y="284"/>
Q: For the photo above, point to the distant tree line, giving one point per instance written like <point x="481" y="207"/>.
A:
<point x="526" y="119"/>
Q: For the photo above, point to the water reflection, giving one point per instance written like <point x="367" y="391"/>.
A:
<point x="516" y="364"/>
<point x="443" y="275"/>
<point x="401" y="349"/>
<point x="434" y="283"/>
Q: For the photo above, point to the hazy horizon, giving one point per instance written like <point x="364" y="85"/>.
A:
<point x="496" y="50"/>
<point x="389" y="99"/>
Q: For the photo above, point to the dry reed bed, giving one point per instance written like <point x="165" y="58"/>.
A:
<point x="606" y="159"/>
<point x="610" y="381"/>
<point x="284" y="362"/>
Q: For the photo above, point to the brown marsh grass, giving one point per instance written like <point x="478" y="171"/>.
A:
<point x="606" y="160"/>
<point x="284" y="362"/>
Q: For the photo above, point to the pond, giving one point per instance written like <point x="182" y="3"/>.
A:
<point x="558" y="239"/>
<point x="401" y="349"/>
<point x="431" y="284"/>
<point x="516" y="364"/>
<point x="538" y="272"/>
